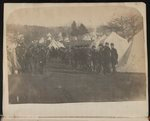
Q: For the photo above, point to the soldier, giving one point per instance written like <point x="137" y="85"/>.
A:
<point x="20" y="53"/>
<point x="114" y="57"/>
<point x="74" y="56"/>
<point x="29" y="58"/>
<point x="83" y="57"/>
<point x="62" y="55"/>
<point x="93" y="58"/>
<point x="100" y="58"/>
<point x="77" y="56"/>
<point x="106" y="58"/>
<point x="86" y="58"/>
<point x="42" y="58"/>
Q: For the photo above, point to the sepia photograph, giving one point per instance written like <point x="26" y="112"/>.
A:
<point x="64" y="54"/>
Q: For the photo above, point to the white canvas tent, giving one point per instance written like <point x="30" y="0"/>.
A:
<point x="49" y="36"/>
<point x="56" y="44"/>
<point x="41" y="40"/>
<point x="59" y="44"/>
<point x="53" y="44"/>
<point x="98" y="41"/>
<point x="120" y="43"/>
<point x="67" y="39"/>
<point x="134" y="58"/>
<point x="93" y="35"/>
<point x="86" y="37"/>
<point x="60" y="37"/>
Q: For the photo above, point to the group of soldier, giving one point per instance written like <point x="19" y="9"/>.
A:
<point x="37" y="57"/>
<point x="102" y="60"/>
<point x="32" y="58"/>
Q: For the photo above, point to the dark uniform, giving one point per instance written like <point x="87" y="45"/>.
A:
<point x="93" y="58"/>
<point x="106" y="59"/>
<point x="41" y="58"/>
<point x="75" y="57"/>
<point x="20" y="52"/>
<point x="100" y="58"/>
<point x="29" y="59"/>
<point x="114" y="58"/>
<point x="83" y="58"/>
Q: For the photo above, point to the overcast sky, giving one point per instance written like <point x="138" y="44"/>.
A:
<point x="59" y="16"/>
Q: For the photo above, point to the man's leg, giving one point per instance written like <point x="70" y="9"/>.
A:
<point x="113" y="67"/>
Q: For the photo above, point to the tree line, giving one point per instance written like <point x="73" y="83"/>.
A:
<point x="125" y="26"/>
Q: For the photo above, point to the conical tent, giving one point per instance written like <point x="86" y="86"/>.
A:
<point x="93" y="35"/>
<point x="120" y="43"/>
<point x="86" y="37"/>
<point x="134" y="58"/>
<point x="60" y="37"/>
<point x="49" y="38"/>
<point x="67" y="39"/>
<point x="98" y="41"/>
<point x="53" y="44"/>
<point x="41" y="40"/>
<point x="59" y="44"/>
<point x="56" y="44"/>
<point x="49" y="35"/>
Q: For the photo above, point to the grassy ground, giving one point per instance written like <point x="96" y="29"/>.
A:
<point x="65" y="85"/>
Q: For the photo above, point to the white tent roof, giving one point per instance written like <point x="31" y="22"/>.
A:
<point x="60" y="36"/>
<point x="100" y="40"/>
<point x="49" y="35"/>
<point x="41" y="40"/>
<point x="53" y="44"/>
<point x="67" y="39"/>
<point x="120" y="43"/>
<point x="86" y="37"/>
<point x="134" y="58"/>
<point x="93" y="35"/>
<point x="59" y="44"/>
<point x="49" y="38"/>
<point x="56" y="44"/>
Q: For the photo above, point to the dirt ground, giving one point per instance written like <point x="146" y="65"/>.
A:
<point x="65" y="85"/>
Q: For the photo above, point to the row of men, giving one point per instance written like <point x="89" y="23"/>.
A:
<point x="82" y="57"/>
<point x="37" y="56"/>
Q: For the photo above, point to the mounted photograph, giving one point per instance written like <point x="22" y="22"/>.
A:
<point x="59" y="54"/>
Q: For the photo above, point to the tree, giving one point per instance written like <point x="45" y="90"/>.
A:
<point x="136" y="24"/>
<point x="82" y="29"/>
<point x="64" y="35"/>
<point x="74" y="29"/>
<point x="119" y="25"/>
<point x="126" y="27"/>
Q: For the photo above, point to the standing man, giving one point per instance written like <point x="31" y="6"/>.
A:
<point x="100" y="58"/>
<point x="114" y="57"/>
<point x="93" y="58"/>
<point x="106" y="58"/>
